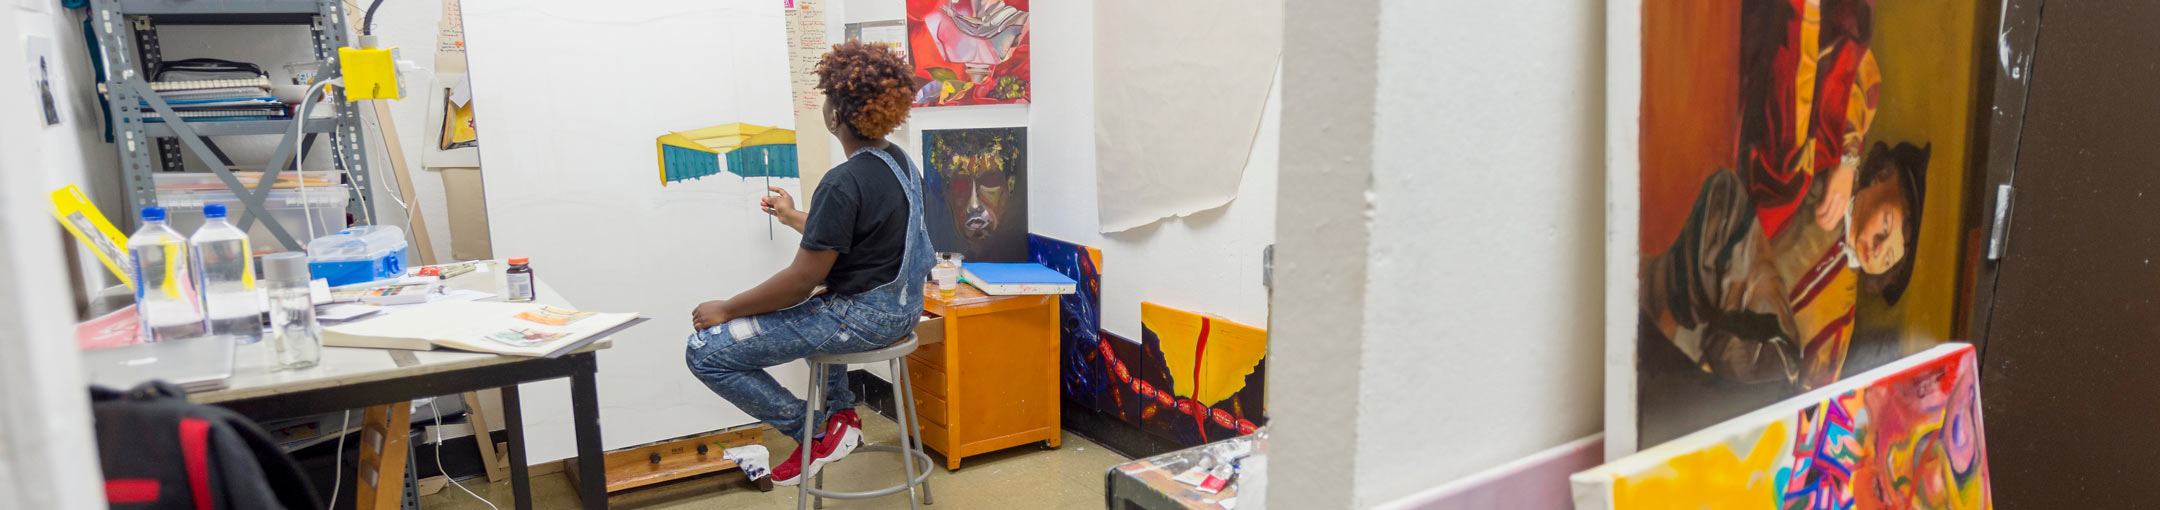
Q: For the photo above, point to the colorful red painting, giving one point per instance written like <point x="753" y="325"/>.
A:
<point x="969" y="52"/>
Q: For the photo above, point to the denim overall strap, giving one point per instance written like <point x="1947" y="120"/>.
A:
<point x="903" y="297"/>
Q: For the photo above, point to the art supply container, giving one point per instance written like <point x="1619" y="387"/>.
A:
<point x="518" y="281"/>
<point x="947" y="274"/>
<point x="320" y="210"/>
<point x="358" y="255"/>
<point x="293" y="331"/>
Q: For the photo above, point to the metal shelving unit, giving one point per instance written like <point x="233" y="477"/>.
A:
<point x="127" y="30"/>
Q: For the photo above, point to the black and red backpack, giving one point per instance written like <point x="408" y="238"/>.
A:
<point x="160" y="451"/>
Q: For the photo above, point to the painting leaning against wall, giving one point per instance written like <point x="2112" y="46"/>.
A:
<point x="1803" y="166"/>
<point x="1907" y="437"/>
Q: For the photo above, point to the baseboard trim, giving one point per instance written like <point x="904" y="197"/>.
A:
<point x="1536" y="482"/>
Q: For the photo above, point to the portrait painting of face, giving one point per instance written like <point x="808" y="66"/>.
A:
<point x="976" y="192"/>
<point x="1800" y="218"/>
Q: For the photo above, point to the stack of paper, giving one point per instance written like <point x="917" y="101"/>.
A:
<point x="217" y="100"/>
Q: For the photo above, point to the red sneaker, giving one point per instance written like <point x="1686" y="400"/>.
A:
<point x="848" y="415"/>
<point x="842" y="435"/>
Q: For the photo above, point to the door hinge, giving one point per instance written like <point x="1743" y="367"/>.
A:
<point x="1267" y="267"/>
<point x="1999" y="235"/>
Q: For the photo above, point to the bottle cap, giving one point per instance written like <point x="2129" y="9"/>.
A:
<point x="213" y="211"/>
<point x="153" y="214"/>
<point x="291" y="266"/>
<point x="518" y="260"/>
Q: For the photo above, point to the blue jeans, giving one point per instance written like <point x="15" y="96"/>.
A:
<point x="731" y="358"/>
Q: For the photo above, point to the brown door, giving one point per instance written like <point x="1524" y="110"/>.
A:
<point x="2071" y="352"/>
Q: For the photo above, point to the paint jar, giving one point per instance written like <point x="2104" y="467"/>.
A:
<point x="518" y="281"/>
<point x="947" y="274"/>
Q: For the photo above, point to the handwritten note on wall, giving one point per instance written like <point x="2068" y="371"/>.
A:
<point x="807" y="43"/>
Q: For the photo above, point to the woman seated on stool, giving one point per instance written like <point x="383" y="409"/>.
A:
<point x="863" y="239"/>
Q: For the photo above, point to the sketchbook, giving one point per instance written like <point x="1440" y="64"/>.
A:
<point x="1016" y="278"/>
<point x="516" y="329"/>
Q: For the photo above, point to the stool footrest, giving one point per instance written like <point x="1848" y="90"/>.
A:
<point x="919" y="478"/>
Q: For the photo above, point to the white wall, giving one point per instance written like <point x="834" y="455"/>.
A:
<point x="1481" y="331"/>
<point x="1484" y="316"/>
<point x="47" y="451"/>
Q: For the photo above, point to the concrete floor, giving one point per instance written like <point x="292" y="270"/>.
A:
<point x="1070" y="477"/>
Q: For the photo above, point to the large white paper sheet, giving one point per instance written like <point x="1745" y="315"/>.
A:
<point x="1179" y="87"/>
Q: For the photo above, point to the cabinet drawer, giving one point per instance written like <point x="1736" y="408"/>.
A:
<point x="932" y="409"/>
<point x="932" y="355"/>
<point x="929" y="332"/>
<point x="928" y="379"/>
<point x="935" y="436"/>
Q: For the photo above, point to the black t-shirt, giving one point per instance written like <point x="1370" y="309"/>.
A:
<point x="860" y="210"/>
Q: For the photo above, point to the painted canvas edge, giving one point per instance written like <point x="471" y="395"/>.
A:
<point x="1623" y="211"/>
<point x="1593" y="488"/>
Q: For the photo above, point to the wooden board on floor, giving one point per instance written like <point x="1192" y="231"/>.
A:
<point x="677" y="459"/>
<point x="382" y="456"/>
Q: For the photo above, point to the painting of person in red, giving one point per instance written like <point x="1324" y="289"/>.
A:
<point x="969" y="52"/>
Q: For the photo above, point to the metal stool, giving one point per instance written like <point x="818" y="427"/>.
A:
<point x="910" y="448"/>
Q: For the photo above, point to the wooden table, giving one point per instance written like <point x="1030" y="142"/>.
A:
<point x="992" y="382"/>
<point x="353" y="378"/>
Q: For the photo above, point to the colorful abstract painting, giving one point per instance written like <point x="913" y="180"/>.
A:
<point x="969" y="51"/>
<point x="1905" y="436"/>
<point x="1086" y="377"/>
<point x="976" y="190"/>
<point x="1802" y="170"/>
<point x="1195" y="378"/>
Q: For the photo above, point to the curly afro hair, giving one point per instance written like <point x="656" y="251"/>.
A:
<point x="869" y="87"/>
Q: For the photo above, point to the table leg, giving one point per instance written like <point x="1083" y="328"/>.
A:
<point x="514" y="423"/>
<point x="585" y="411"/>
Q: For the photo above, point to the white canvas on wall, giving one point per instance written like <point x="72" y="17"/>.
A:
<point x="575" y="95"/>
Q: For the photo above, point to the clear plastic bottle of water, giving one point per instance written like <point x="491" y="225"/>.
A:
<point x="165" y="298"/>
<point x="226" y="272"/>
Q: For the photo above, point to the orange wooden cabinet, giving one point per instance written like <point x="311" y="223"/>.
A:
<point x="990" y="383"/>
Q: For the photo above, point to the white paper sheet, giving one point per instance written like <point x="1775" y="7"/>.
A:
<point x="1179" y="88"/>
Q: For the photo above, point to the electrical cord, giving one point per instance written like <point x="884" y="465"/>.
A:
<point x="397" y="191"/>
<point x="367" y="23"/>
<point x="337" y="466"/>
<point x="300" y="117"/>
<point x="477" y="434"/>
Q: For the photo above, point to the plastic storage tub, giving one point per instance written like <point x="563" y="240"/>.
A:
<point x="183" y="196"/>
<point x="358" y="255"/>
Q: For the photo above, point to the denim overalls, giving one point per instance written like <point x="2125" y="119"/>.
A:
<point x="731" y="358"/>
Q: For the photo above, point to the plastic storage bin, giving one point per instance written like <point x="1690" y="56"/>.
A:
<point x="358" y="255"/>
<point x="183" y="196"/>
